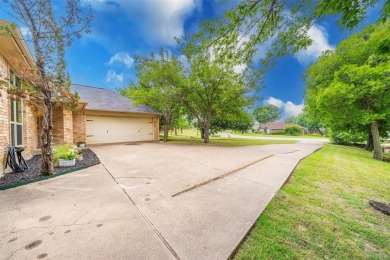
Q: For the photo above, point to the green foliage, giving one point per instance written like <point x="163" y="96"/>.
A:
<point x="241" y="123"/>
<point x="293" y="130"/>
<point x="66" y="152"/>
<point x="291" y="119"/>
<point x="348" y="88"/>
<point x="348" y="137"/>
<point x="158" y="83"/>
<point x="216" y="86"/>
<point x="282" y="25"/>
<point x="310" y="122"/>
<point x="266" y="114"/>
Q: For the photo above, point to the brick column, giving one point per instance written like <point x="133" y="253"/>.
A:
<point x="156" y="128"/>
<point x="62" y="126"/>
<point x="79" y="131"/>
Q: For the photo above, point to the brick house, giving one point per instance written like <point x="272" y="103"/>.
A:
<point x="102" y="116"/>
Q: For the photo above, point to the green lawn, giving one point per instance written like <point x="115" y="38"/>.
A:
<point x="323" y="212"/>
<point x="284" y="136"/>
<point x="189" y="137"/>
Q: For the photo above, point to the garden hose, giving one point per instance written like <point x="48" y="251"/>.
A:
<point x="15" y="159"/>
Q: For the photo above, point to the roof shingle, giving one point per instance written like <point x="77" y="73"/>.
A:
<point x="108" y="100"/>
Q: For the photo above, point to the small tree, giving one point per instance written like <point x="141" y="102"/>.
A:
<point x="310" y="122"/>
<point x="158" y="81"/>
<point x="47" y="80"/>
<point x="266" y="114"/>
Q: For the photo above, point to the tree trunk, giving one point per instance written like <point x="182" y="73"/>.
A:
<point x="207" y="132"/>
<point x="370" y="142"/>
<point x="166" y="131"/>
<point x="47" y="166"/>
<point x="376" y="140"/>
<point x="181" y="129"/>
<point x="175" y="130"/>
<point x="202" y="132"/>
<point x="321" y="133"/>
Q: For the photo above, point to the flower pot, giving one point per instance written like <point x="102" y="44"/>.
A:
<point x="66" y="163"/>
<point x="81" y="145"/>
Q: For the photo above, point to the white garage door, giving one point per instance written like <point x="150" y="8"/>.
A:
<point x="112" y="129"/>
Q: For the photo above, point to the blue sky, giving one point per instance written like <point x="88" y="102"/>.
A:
<point x="124" y="28"/>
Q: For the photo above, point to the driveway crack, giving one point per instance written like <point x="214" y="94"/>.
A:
<point x="160" y="236"/>
<point x="220" y="176"/>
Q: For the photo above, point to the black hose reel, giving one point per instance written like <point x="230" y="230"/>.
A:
<point x="15" y="159"/>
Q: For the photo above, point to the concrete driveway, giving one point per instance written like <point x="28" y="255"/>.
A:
<point x="147" y="201"/>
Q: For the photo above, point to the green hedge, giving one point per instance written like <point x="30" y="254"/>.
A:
<point x="293" y="130"/>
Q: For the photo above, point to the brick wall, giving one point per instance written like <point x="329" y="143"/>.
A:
<point x="58" y="126"/>
<point x="156" y="129"/>
<point x="79" y="130"/>
<point x="30" y="130"/>
<point x="68" y="126"/>
<point x="4" y="116"/>
<point x="62" y="126"/>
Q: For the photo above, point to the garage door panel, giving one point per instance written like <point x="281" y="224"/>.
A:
<point x="111" y="129"/>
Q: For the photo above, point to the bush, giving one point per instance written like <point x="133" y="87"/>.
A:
<point x="347" y="138"/>
<point x="293" y="130"/>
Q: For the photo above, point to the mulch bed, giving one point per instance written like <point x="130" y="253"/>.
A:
<point x="34" y="165"/>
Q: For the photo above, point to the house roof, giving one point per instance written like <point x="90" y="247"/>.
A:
<point x="277" y="125"/>
<point x="107" y="100"/>
<point x="14" y="46"/>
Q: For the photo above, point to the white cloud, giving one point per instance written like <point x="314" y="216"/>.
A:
<point x="287" y="109"/>
<point x="114" y="78"/>
<point x="121" y="58"/>
<point x="274" y="101"/>
<point x="239" y="68"/>
<point x="25" y="32"/>
<point x="319" y="36"/>
<point x="291" y="109"/>
<point x="160" y="20"/>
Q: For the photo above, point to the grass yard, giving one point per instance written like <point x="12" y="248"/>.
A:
<point x="189" y="137"/>
<point x="323" y="212"/>
<point x="311" y="136"/>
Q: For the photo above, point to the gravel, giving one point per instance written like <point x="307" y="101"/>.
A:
<point x="34" y="165"/>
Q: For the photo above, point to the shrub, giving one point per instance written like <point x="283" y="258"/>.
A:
<point x="293" y="130"/>
<point x="347" y="138"/>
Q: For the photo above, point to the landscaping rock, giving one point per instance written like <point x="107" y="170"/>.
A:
<point x="34" y="164"/>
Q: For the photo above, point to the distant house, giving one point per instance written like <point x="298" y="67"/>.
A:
<point x="276" y="127"/>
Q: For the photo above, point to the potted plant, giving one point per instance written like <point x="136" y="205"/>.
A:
<point x="65" y="155"/>
<point x="80" y="154"/>
<point x="81" y="144"/>
<point x="68" y="160"/>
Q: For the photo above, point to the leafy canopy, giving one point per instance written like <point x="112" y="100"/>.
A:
<point x="266" y="114"/>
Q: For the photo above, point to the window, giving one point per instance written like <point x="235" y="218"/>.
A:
<point x="14" y="80"/>
<point x="16" y="123"/>
<point x="16" y="114"/>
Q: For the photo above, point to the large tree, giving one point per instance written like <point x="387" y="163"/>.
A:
<point x="158" y="82"/>
<point x="349" y="87"/>
<point x="215" y="87"/>
<point x="266" y="114"/>
<point x="50" y="33"/>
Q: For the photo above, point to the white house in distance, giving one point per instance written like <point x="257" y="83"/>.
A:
<point x="275" y="127"/>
